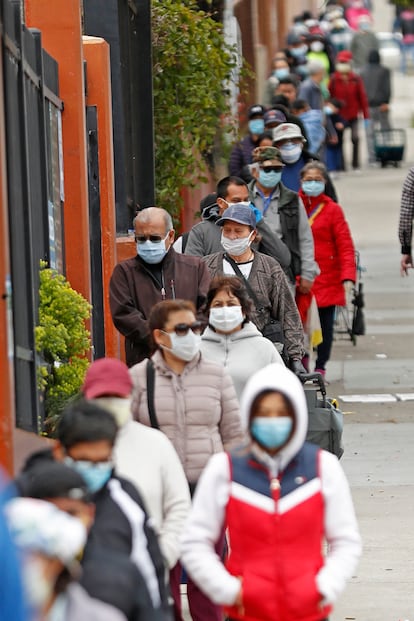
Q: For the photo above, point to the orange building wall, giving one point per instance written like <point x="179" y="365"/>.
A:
<point x="98" y="72"/>
<point x="60" y="24"/>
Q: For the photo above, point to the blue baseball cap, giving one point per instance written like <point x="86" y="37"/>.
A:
<point x="239" y="212"/>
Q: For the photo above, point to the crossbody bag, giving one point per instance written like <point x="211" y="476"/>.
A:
<point x="273" y="329"/>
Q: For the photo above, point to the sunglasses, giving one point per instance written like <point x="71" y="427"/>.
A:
<point x="269" y="169"/>
<point x="181" y="329"/>
<point x="156" y="239"/>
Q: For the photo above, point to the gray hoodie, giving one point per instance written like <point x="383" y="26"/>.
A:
<point x="242" y="353"/>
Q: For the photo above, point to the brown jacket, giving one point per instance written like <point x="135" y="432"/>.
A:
<point x="198" y="410"/>
<point x="136" y="286"/>
<point x="271" y="287"/>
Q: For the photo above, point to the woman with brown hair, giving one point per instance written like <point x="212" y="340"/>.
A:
<point x="230" y="337"/>
<point x="193" y="401"/>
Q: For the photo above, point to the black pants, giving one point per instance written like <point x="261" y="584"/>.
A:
<point x="326" y="316"/>
<point x="353" y="125"/>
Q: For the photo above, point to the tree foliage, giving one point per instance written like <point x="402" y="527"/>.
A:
<point x="192" y="64"/>
<point x="62" y="341"/>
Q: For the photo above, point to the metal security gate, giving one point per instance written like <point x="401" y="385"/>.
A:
<point x="35" y="190"/>
<point x="98" y="332"/>
<point x="126" y="26"/>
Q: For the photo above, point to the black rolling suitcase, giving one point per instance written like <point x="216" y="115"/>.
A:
<point x="325" y="419"/>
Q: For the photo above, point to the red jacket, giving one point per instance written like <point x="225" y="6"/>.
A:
<point x="334" y="250"/>
<point x="278" y="559"/>
<point x="351" y="92"/>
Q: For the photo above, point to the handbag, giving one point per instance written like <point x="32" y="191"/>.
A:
<point x="273" y="329"/>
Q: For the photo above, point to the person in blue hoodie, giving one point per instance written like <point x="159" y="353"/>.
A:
<point x="313" y="121"/>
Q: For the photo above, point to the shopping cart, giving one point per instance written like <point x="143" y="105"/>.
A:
<point x="389" y="145"/>
<point x="349" y="319"/>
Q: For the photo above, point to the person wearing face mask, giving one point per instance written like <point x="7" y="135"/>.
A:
<point x="106" y="575"/>
<point x="263" y="275"/>
<point x="284" y="213"/>
<point x="321" y="51"/>
<point x="231" y="338"/>
<point x="49" y="541"/>
<point x="348" y="87"/>
<point x="363" y="42"/>
<point x="192" y="400"/>
<point x="296" y="51"/>
<point x="146" y="457"/>
<point x="241" y="153"/>
<point x="205" y="237"/>
<point x="156" y="273"/>
<point x="289" y="139"/>
<point x="85" y="439"/>
<point x="310" y="90"/>
<point x="287" y="507"/>
<point x="280" y="69"/>
<point x="334" y="253"/>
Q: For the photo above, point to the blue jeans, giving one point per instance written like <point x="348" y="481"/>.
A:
<point x="407" y="49"/>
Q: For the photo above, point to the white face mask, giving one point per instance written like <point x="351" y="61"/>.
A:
<point x="184" y="347"/>
<point x="291" y="152"/>
<point x="317" y="46"/>
<point x="236" y="247"/>
<point x="226" y="318"/>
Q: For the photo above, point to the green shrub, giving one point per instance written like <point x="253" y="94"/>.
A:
<point x="191" y="65"/>
<point x="62" y="342"/>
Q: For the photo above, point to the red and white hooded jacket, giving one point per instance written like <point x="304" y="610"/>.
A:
<point x="279" y="512"/>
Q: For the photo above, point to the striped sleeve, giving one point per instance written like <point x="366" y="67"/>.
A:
<point x="405" y="228"/>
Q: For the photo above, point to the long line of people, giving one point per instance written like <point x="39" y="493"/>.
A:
<point x="206" y="429"/>
<point x="325" y="83"/>
<point x="127" y="487"/>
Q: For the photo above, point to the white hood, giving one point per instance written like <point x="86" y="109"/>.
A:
<point x="279" y="378"/>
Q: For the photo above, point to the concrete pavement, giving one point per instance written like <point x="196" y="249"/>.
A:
<point x="379" y="457"/>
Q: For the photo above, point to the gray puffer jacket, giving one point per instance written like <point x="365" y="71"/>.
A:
<point x="197" y="410"/>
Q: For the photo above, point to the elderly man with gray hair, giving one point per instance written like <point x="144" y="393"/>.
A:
<point x="156" y="273"/>
<point x="310" y="89"/>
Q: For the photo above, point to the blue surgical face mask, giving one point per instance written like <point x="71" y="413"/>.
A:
<point x="328" y="110"/>
<point x="313" y="188"/>
<point x="281" y="73"/>
<point x="152" y="252"/>
<point x="272" y="433"/>
<point x="96" y="475"/>
<point x="256" y="126"/>
<point x="297" y="52"/>
<point x="269" y="179"/>
<point x="291" y="152"/>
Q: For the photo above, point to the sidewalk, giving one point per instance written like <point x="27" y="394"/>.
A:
<point x="379" y="459"/>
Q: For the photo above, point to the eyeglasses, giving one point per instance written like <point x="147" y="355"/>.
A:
<point x="269" y="169"/>
<point x="181" y="329"/>
<point x="156" y="239"/>
<point x="85" y="463"/>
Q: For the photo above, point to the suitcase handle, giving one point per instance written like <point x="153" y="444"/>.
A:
<point x="314" y="377"/>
